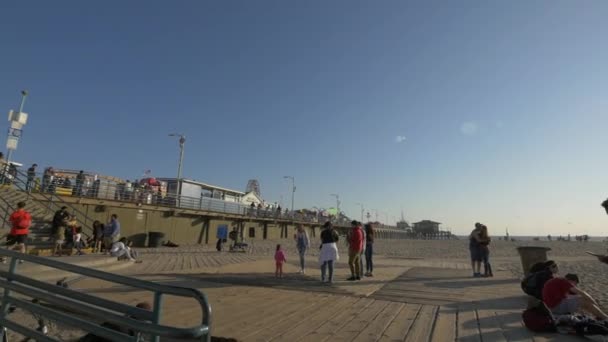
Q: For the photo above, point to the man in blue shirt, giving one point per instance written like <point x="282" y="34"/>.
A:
<point x="111" y="233"/>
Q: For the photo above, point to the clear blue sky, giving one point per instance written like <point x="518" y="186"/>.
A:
<point x="456" y="111"/>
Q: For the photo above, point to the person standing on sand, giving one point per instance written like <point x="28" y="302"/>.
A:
<point x="475" y="249"/>
<point x="484" y="242"/>
<point x="302" y="244"/>
<point x="279" y="259"/>
<point x="329" y="251"/>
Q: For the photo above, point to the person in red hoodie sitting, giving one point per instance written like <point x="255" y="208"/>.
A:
<point x="355" y="248"/>
<point x="21" y="221"/>
<point x="562" y="296"/>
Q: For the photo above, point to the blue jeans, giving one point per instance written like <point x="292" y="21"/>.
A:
<point x="302" y="252"/>
<point x="329" y="263"/>
<point x="369" y="251"/>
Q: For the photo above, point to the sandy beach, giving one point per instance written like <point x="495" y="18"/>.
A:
<point x="570" y="256"/>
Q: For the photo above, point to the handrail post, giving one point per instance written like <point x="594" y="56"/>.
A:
<point x="7" y="293"/>
<point x="156" y="314"/>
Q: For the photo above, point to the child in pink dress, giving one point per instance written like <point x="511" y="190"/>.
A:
<point x="279" y="258"/>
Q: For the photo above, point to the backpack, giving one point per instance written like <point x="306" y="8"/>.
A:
<point x="533" y="283"/>
<point x="539" y="319"/>
<point x="588" y="326"/>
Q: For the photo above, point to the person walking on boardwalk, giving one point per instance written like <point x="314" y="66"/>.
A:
<point x="279" y="259"/>
<point x="475" y="250"/>
<point x="60" y="223"/>
<point x="31" y="176"/>
<point x="329" y="252"/>
<point x="302" y="244"/>
<point x="484" y="242"/>
<point x="21" y="220"/>
<point x="369" y="250"/>
<point x="355" y="247"/>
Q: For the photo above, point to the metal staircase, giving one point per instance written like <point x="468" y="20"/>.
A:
<point x="42" y="207"/>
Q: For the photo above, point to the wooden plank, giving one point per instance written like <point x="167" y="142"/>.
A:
<point x="467" y="327"/>
<point x="376" y="327"/>
<point x="235" y="317"/>
<point x="326" y="331"/>
<point x="414" y="300"/>
<point x="512" y="326"/>
<point x="445" y="325"/>
<point x="423" y="325"/>
<point x="401" y="324"/>
<point x="359" y="321"/>
<point x="284" y="322"/>
<point x="422" y="293"/>
<point x="308" y="325"/>
<point x="489" y="327"/>
<point x="282" y="310"/>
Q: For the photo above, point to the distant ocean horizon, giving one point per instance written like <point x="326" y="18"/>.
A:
<point x="541" y="238"/>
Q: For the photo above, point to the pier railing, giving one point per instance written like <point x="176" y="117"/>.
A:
<point x="49" y="302"/>
<point x="51" y="188"/>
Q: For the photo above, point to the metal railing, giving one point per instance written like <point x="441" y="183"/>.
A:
<point x="72" y="308"/>
<point x="50" y="201"/>
<point x="109" y="188"/>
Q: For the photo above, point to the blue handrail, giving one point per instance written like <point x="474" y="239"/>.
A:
<point x="147" y="323"/>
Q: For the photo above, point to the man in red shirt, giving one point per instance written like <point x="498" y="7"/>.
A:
<point x="562" y="296"/>
<point x="21" y="221"/>
<point x="355" y="247"/>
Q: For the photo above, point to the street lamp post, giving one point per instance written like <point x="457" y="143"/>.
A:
<point x="17" y="121"/>
<point x="337" y="204"/>
<point x="182" y="140"/>
<point x="293" y="188"/>
<point x="361" y="204"/>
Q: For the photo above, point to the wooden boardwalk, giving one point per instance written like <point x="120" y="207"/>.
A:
<point x="408" y="303"/>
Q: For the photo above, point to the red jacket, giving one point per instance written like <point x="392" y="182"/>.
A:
<point x="356" y="239"/>
<point x="20" y="222"/>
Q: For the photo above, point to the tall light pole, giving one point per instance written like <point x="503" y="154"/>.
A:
<point x="18" y="120"/>
<point x="361" y="204"/>
<point x="293" y="188"/>
<point x="182" y="140"/>
<point x="337" y="204"/>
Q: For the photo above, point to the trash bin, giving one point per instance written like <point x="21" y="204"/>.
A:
<point x="530" y="255"/>
<point x="155" y="239"/>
